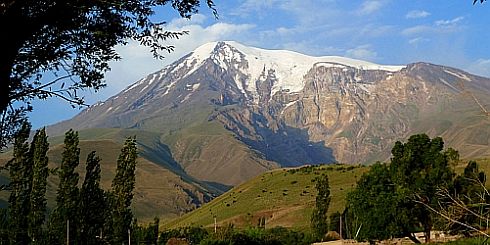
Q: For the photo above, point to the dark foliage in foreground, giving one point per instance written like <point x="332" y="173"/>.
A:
<point x="93" y="215"/>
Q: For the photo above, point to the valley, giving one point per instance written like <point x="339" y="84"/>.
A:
<point x="227" y="113"/>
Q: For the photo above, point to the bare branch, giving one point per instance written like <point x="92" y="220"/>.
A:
<point x="453" y="220"/>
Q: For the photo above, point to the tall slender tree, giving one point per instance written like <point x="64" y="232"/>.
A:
<point x="20" y="171"/>
<point x="67" y="198"/>
<point x="37" y="214"/>
<point x="319" y="216"/>
<point x="122" y="191"/>
<point x="92" y="201"/>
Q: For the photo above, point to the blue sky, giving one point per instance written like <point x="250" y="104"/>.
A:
<point x="453" y="33"/>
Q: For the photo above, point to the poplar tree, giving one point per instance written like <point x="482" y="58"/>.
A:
<point x="92" y="201"/>
<point x="122" y="191"/>
<point x="20" y="171"/>
<point x="39" y="149"/>
<point x="67" y="199"/>
<point x="319" y="216"/>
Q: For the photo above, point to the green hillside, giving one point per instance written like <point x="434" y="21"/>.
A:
<point x="162" y="188"/>
<point x="285" y="197"/>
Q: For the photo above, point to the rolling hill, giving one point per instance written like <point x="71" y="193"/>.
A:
<point x="285" y="197"/>
<point x="226" y="113"/>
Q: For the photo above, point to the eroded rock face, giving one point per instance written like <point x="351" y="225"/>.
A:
<point x="294" y="109"/>
<point x="351" y="115"/>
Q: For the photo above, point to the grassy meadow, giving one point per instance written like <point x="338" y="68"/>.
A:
<point x="285" y="197"/>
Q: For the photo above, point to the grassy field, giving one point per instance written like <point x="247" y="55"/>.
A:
<point x="284" y="197"/>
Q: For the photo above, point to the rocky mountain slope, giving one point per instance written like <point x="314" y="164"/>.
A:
<point x="227" y="112"/>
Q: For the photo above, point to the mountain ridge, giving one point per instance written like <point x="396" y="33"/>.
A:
<point x="335" y="112"/>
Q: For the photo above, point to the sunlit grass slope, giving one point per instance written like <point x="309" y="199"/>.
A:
<point x="285" y="197"/>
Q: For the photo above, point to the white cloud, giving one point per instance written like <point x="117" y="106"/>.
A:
<point x="417" y="40"/>
<point x="363" y="52"/>
<point x="480" y="67"/>
<point x="451" y="22"/>
<point x="370" y="6"/>
<point x="439" y="27"/>
<point x="196" y="19"/>
<point x="417" y="14"/>
<point x="311" y="48"/>
<point x="285" y="31"/>
<point x="371" y="30"/>
<point x="415" y="30"/>
<point x="254" y="6"/>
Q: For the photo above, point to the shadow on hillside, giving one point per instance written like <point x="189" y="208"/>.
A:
<point x="221" y="187"/>
<point x="160" y="153"/>
<point x="288" y="146"/>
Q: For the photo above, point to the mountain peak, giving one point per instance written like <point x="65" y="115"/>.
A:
<point x="287" y="56"/>
<point x="291" y="108"/>
<point x="289" y="67"/>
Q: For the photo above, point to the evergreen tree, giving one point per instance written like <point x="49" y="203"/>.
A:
<point x="334" y="224"/>
<point x="122" y="191"/>
<point x="4" y="225"/>
<point x="319" y="216"/>
<point x="67" y="199"/>
<point x="20" y="171"/>
<point x="92" y="201"/>
<point x="39" y="149"/>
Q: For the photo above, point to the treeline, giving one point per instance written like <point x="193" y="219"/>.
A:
<point x="418" y="191"/>
<point x="229" y="235"/>
<point x="83" y="214"/>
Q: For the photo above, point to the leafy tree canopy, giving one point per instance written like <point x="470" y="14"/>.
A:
<point x="75" y="40"/>
<point x="390" y="200"/>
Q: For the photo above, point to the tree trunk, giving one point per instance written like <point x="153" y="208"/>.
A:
<point x="4" y="86"/>
<point x="427" y="235"/>
<point x="15" y="32"/>
<point x="413" y="238"/>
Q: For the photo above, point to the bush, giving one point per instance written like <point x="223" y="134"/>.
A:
<point x="194" y="235"/>
<point x="258" y="236"/>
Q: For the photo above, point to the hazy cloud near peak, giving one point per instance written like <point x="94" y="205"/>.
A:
<point x="439" y="27"/>
<point x="417" y="14"/>
<point x="363" y="52"/>
<point x="480" y="67"/>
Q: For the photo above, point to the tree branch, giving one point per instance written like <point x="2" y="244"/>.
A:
<point x="452" y="220"/>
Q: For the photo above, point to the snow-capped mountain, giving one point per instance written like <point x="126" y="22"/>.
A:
<point x="228" y="111"/>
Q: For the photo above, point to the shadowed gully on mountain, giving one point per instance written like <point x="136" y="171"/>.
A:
<point x="228" y="112"/>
